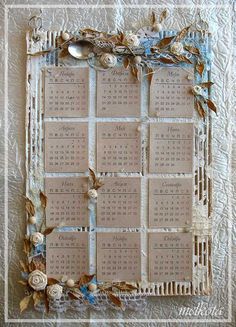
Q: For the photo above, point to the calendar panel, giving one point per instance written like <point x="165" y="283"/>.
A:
<point x="66" y="91"/>
<point x="170" y="257"/>
<point x="118" y="93"/>
<point x="66" y="147"/>
<point x="171" y="147"/>
<point x="170" y="202"/>
<point x="171" y="93"/>
<point x="67" y="254"/>
<point x="118" y="256"/>
<point x="119" y="202"/>
<point x="118" y="147"/>
<point x="67" y="201"/>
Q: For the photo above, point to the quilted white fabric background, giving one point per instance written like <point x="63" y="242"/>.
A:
<point x="117" y="14"/>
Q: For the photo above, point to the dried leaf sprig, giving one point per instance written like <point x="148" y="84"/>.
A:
<point x="110" y="288"/>
<point x="174" y="51"/>
<point x="157" y="23"/>
<point x="96" y="184"/>
<point x="202" y="101"/>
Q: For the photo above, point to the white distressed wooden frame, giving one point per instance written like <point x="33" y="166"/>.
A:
<point x="202" y="215"/>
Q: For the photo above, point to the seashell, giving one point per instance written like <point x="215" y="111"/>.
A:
<point x="108" y="60"/>
<point x="81" y="49"/>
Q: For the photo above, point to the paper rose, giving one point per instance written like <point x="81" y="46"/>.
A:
<point x="197" y="90"/>
<point x="177" y="48"/>
<point x="132" y="40"/>
<point x="92" y="194"/>
<point x="54" y="292"/>
<point x="37" y="238"/>
<point x="108" y="60"/>
<point x="37" y="280"/>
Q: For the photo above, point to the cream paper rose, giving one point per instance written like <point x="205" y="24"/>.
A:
<point x="37" y="280"/>
<point x="37" y="238"/>
<point x="177" y="48"/>
<point x="92" y="194"/>
<point x="54" y="292"/>
<point x="108" y="60"/>
<point x="132" y="40"/>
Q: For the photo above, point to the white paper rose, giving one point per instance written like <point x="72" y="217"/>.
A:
<point x="37" y="238"/>
<point x="54" y="292"/>
<point x="92" y="194"/>
<point x="108" y="60"/>
<point x="37" y="280"/>
<point x="197" y="90"/>
<point x="132" y="40"/>
<point x="177" y="48"/>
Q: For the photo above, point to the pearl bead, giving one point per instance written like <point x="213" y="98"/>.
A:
<point x="92" y="287"/>
<point x="65" y="36"/>
<point x="157" y="27"/>
<point x="137" y="59"/>
<point x="139" y="129"/>
<point x="32" y="220"/>
<point x="70" y="283"/>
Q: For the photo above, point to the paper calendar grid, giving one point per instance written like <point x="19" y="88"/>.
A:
<point x="200" y="242"/>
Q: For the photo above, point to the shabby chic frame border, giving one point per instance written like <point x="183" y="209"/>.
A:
<point x="7" y="7"/>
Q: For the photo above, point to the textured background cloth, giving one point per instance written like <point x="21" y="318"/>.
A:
<point x="221" y="25"/>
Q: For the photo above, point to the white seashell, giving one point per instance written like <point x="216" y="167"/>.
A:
<point x="177" y="48"/>
<point x="92" y="287"/>
<point x="37" y="280"/>
<point x="70" y="283"/>
<point x="32" y="220"/>
<point x="65" y="36"/>
<point x="108" y="60"/>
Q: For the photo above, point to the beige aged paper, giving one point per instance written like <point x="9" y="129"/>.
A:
<point x="170" y="257"/>
<point x="66" y="147"/>
<point x="119" y="202"/>
<point x="118" y="93"/>
<point x="170" y="202"/>
<point x="67" y="254"/>
<point x="171" y="92"/>
<point x="67" y="201"/>
<point x="118" y="256"/>
<point x="118" y="147"/>
<point x="66" y="91"/>
<point x="171" y="148"/>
